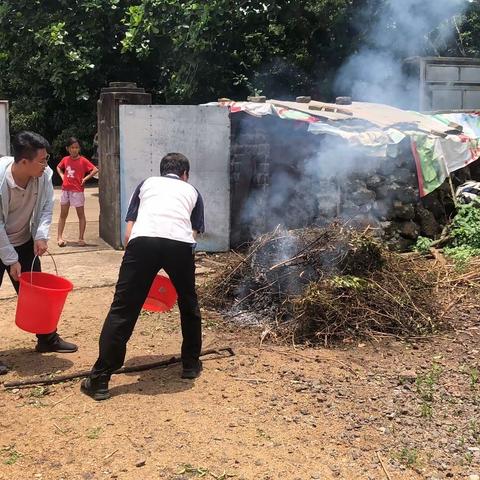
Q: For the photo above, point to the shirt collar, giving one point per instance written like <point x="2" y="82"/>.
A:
<point x="172" y="175"/>
<point x="9" y="177"/>
<point x="11" y="181"/>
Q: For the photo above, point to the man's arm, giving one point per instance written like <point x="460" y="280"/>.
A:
<point x="197" y="217"/>
<point x="45" y="220"/>
<point x="8" y="255"/>
<point x="132" y="212"/>
<point x="128" y="231"/>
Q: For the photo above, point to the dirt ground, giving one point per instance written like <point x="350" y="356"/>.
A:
<point x="382" y="409"/>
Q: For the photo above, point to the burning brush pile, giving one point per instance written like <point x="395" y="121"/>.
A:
<point x="327" y="284"/>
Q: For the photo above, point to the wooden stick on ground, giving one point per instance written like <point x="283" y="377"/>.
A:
<point x="59" y="429"/>
<point x="134" y="368"/>
<point x="383" y="466"/>
<point x="256" y="380"/>
<point x="106" y="457"/>
<point x="62" y="399"/>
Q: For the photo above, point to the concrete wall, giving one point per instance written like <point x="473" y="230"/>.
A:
<point x="4" y="129"/>
<point x="147" y="133"/>
<point x="447" y="83"/>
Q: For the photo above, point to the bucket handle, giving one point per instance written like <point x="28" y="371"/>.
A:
<point x="33" y="263"/>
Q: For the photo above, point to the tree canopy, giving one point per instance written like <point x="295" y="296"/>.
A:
<point x="56" y="55"/>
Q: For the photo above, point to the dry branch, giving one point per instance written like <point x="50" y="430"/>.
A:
<point x="326" y="284"/>
<point x="134" y="368"/>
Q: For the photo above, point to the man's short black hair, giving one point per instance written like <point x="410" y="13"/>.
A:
<point x="174" y="163"/>
<point x="26" y="145"/>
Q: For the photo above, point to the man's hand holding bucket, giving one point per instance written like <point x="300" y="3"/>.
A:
<point x="40" y="247"/>
<point x="15" y="271"/>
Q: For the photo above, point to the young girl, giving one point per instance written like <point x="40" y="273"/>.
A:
<point x="72" y="169"/>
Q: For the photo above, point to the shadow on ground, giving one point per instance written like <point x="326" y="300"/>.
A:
<point x="26" y="362"/>
<point x="157" y="381"/>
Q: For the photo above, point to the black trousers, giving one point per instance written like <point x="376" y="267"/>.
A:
<point x="25" y="257"/>
<point x="144" y="257"/>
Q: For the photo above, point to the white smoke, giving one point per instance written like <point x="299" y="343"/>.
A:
<point x="402" y="29"/>
<point x="332" y="178"/>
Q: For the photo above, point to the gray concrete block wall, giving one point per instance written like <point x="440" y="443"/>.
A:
<point x="250" y="174"/>
<point x="382" y="194"/>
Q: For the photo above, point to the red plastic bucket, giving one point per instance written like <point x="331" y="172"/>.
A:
<point x="40" y="301"/>
<point x="162" y="295"/>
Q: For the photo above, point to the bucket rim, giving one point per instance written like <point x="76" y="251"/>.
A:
<point x="63" y="289"/>
<point x="156" y="305"/>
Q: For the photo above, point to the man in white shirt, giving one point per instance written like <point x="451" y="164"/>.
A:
<point x="163" y="217"/>
<point x="26" y="207"/>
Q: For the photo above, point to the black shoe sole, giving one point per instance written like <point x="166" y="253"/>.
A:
<point x="191" y="374"/>
<point x="53" y="350"/>
<point x="98" y="395"/>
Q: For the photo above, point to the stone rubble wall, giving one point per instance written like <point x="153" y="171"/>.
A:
<point x="272" y="182"/>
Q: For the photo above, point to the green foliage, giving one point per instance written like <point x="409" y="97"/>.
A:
<point x="423" y="244"/>
<point x="426" y="387"/>
<point x="461" y="255"/>
<point x="466" y="226"/>
<point x="464" y="243"/>
<point x="39" y="392"/>
<point x="467" y="41"/>
<point x="465" y="232"/>
<point x="223" y="48"/>
<point x="426" y="383"/>
<point x="474" y="376"/>
<point x="194" y="471"/>
<point x="408" y="456"/>
<point x="55" y="56"/>
<point x="349" y="281"/>
<point x="94" y="433"/>
<point x="12" y="455"/>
